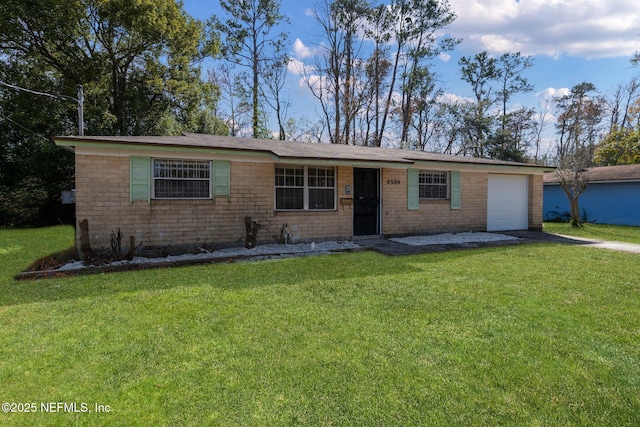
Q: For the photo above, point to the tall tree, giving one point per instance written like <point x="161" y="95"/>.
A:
<point x="249" y="40"/>
<point x="33" y="171"/>
<point x="234" y="106"/>
<point x="274" y="75"/>
<point x="135" y="57"/>
<point x="580" y="114"/>
<point x="350" y="15"/>
<point x="377" y="69"/>
<point x="335" y="79"/>
<point x="480" y="72"/>
<point x="512" y="82"/>
<point x="492" y="130"/>
<point x="137" y="62"/>
<point x="623" y="106"/>
<point x="416" y="29"/>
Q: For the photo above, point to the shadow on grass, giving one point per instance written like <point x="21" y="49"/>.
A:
<point x="247" y="275"/>
<point x="231" y="276"/>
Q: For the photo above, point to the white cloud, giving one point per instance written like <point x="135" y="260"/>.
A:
<point x="297" y="67"/>
<point x="550" y="93"/>
<point x="301" y="51"/>
<point x="453" y="99"/>
<point x="444" y="57"/>
<point x="590" y="28"/>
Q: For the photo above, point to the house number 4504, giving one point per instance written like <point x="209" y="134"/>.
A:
<point x="393" y="181"/>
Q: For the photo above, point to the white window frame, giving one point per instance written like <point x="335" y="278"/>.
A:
<point x="306" y="187"/>
<point x="447" y="177"/>
<point x="155" y="178"/>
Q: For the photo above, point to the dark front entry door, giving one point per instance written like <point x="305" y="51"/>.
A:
<point x="366" y="196"/>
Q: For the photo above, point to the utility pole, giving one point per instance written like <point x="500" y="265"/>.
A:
<point x="80" y="94"/>
<point x="79" y="100"/>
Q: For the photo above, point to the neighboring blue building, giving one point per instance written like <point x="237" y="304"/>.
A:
<point x="612" y="196"/>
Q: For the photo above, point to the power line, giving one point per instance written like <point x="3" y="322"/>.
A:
<point x="79" y="100"/>
<point x="65" y="97"/>
<point x="23" y="127"/>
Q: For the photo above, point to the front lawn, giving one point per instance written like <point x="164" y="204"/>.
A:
<point x="617" y="233"/>
<point x="537" y="334"/>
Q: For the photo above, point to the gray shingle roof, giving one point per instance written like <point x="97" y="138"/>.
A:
<point x="288" y="149"/>
<point x="603" y="174"/>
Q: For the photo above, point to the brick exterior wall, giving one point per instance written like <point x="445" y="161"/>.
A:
<point x="535" y="202"/>
<point x="102" y="197"/>
<point x="433" y="216"/>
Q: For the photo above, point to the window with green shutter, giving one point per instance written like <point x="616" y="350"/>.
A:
<point x="455" y="190"/>
<point x="181" y="179"/>
<point x="178" y="179"/>
<point x="434" y="185"/>
<point x="221" y="178"/>
<point x="140" y="178"/>
<point x="413" y="180"/>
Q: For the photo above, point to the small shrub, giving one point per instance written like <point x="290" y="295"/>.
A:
<point x="555" y="216"/>
<point x="53" y="261"/>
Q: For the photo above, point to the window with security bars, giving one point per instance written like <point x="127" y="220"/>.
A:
<point x="433" y="185"/>
<point x="181" y="179"/>
<point x="305" y="188"/>
<point x="290" y="188"/>
<point x="321" y="183"/>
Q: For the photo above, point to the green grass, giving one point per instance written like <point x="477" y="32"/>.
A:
<point x="537" y="335"/>
<point x="596" y="231"/>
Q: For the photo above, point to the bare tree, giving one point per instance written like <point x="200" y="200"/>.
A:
<point x="323" y="79"/>
<point x="274" y="75"/>
<point x="544" y="115"/>
<point x="304" y="130"/>
<point x="620" y="105"/>
<point x="577" y="126"/>
<point x="336" y="77"/>
<point x="234" y="106"/>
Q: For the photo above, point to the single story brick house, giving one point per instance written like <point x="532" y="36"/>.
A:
<point x="189" y="190"/>
<point x="612" y="196"/>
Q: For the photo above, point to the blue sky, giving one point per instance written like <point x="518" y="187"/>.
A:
<point x="570" y="41"/>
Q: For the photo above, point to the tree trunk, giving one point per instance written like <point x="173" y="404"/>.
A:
<point x="575" y="212"/>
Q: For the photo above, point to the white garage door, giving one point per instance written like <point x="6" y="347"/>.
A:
<point x="507" y="207"/>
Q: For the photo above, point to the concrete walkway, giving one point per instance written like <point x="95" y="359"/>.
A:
<point x="614" y="246"/>
<point x="391" y="248"/>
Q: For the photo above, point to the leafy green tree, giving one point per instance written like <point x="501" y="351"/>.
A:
<point x="491" y="129"/>
<point x="33" y="171"/>
<point x="511" y="81"/>
<point x="136" y="60"/>
<point x="480" y="72"/>
<point x="619" y="147"/>
<point x="249" y="41"/>
<point x="134" y="57"/>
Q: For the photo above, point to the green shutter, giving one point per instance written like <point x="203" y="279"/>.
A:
<point x="221" y="178"/>
<point x="455" y="190"/>
<point x="140" y="178"/>
<point x="414" y="189"/>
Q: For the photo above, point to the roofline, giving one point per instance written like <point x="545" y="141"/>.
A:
<point x="602" y="181"/>
<point x="119" y="142"/>
<point x="149" y="146"/>
<point x="70" y="144"/>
